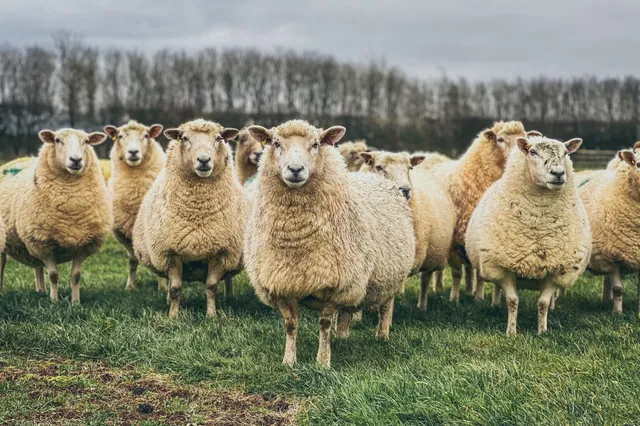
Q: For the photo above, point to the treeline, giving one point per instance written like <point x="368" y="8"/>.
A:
<point x="71" y="83"/>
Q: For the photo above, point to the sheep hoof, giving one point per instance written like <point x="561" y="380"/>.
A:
<point x="289" y="362"/>
<point x="511" y="331"/>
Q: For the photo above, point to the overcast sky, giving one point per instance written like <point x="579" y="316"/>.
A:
<point x="471" y="38"/>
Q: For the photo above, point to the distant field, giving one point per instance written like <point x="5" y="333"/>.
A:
<point x="117" y="356"/>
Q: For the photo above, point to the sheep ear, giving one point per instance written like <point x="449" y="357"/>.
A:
<point x="155" y="130"/>
<point x="112" y="131"/>
<point x="636" y="145"/>
<point x="172" y="134"/>
<point x="332" y="135"/>
<point x="532" y="133"/>
<point x="367" y="157"/>
<point x="490" y="135"/>
<point x="417" y="159"/>
<point x="229" y="133"/>
<point x="262" y="135"/>
<point x="573" y="145"/>
<point x="523" y="145"/>
<point x="96" y="138"/>
<point x="627" y="157"/>
<point x="47" y="136"/>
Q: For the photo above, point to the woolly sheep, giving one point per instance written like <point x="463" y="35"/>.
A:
<point x="431" y="207"/>
<point x="58" y="209"/>
<point x="318" y="232"/>
<point x="247" y="155"/>
<point x="350" y="152"/>
<point x="611" y="199"/>
<point x="530" y="229"/>
<point x="136" y="159"/>
<point x="191" y="221"/>
<point x="615" y="161"/>
<point x="466" y="179"/>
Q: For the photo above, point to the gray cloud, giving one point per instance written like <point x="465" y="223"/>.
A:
<point x="500" y="38"/>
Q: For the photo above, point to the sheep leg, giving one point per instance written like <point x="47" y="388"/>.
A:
<point x="616" y="287"/>
<point x="52" y="269"/>
<point x="479" y="293"/>
<point x="561" y="292"/>
<point x="213" y="276"/>
<point x="324" y="341"/>
<point x="438" y="281"/>
<point x="468" y="278"/>
<point x="424" y="290"/>
<point x="163" y="284"/>
<point x="456" y="277"/>
<point x="76" y="268"/>
<point x="385" y="316"/>
<point x="3" y="263"/>
<point x="552" y="302"/>
<point x="133" y="267"/>
<point x="607" y="289"/>
<point x="357" y="316"/>
<point x="228" y="287"/>
<point x="544" y="301"/>
<point x="289" y="310"/>
<point x="342" y="324"/>
<point x="39" y="273"/>
<point x="497" y="295"/>
<point x="175" y="287"/>
<point x="508" y="284"/>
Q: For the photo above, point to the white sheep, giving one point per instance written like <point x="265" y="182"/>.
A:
<point x="191" y="222"/>
<point x="530" y="229"/>
<point x="316" y="231"/>
<point x="350" y="152"/>
<point x="612" y="201"/>
<point x="136" y="160"/>
<point x="433" y="217"/>
<point x="58" y="209"/>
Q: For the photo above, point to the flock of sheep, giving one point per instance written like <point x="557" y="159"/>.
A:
<point x="338" y="226"/>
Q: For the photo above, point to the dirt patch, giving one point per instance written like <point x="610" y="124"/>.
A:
<point x="69" y="392"/>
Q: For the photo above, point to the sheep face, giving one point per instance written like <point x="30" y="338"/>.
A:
<point x="547" y="160"/>
<point x="249" y="148"/>
<point x="200" y="151"/>
<point x="71" y="147"/>
<point x="504" y="136"/>
<point x="132" y="140"/>
<point x="296" y="155"/>
<point x="393" y="166"/>
<point x="350" y="152"/>
<point x="630" y="158"/>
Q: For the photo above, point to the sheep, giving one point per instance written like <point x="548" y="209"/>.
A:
<point x="58" y="209"/>
<point x="136" y="159"/>
<point x="615" y="161"/>
<point x="191" y="221"/>
<point x="316" y="231"/>
<point x="530" y="229"/>
<point x="611" y="199"/>
<point x="466" y="179"/>
<point x="247" y="155"/>
<point x="431" y="207"/>
<point x="350" y="152"/>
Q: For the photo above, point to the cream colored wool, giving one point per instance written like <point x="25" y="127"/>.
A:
<point x="431" y="207"/>
<point x="191" y="227"/>
<point x="130" y="181"/>
<point x="53" y="216"/>
<point x="612" y="201"/>
<point x="527" y="235"/>
<point x="350" y="152"/>
<point x="466" y="180"/>
<point x="247" y="155"/>
<point x="431" y="159"/>
<point x="343" y="239"/>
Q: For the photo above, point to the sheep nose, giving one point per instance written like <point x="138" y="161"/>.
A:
<point x="258" y="155"/>
<point x="204" y="159"/>
<point x="557" y="172"/>
<point x="75" y="159"/>
<point x="295" y="169"/>
<point x="134" y="152"/>
<point x="406" y="192"/>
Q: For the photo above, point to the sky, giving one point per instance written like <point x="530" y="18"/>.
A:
<point x="462" y="38"/>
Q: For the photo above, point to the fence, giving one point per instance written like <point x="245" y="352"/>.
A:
<point x="592" y="158"/>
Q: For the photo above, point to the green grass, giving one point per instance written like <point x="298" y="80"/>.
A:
<point x="450" y="365"/>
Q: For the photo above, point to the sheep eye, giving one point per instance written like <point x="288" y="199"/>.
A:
<point x="276" y="144"/>
<point x="410" y="167"/>
<point x="379" y="168"/>
<point x="146" y="136"/>
<point x="120" y="136"/>
<point x="58" y="140"/>
<point x="533" y="153"/>
<point x="315" y="145"/>
<point x="500" y="139"/>
<point x="185" y="139"/>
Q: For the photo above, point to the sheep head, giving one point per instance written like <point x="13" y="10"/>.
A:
<point x="547" y="160"/>
<point x="71" y="147"/>
<point x="296" y="149"/>
<point x="350" y="152"/>
<point x="393" y="166"/>
<point x="202" y="146"/>
<point x="504" y="134"/>
<point x="132" y="140"/>
<point x="248" y="147"/>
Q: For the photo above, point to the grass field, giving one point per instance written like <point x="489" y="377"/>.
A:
<point x="117" y="359"/>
